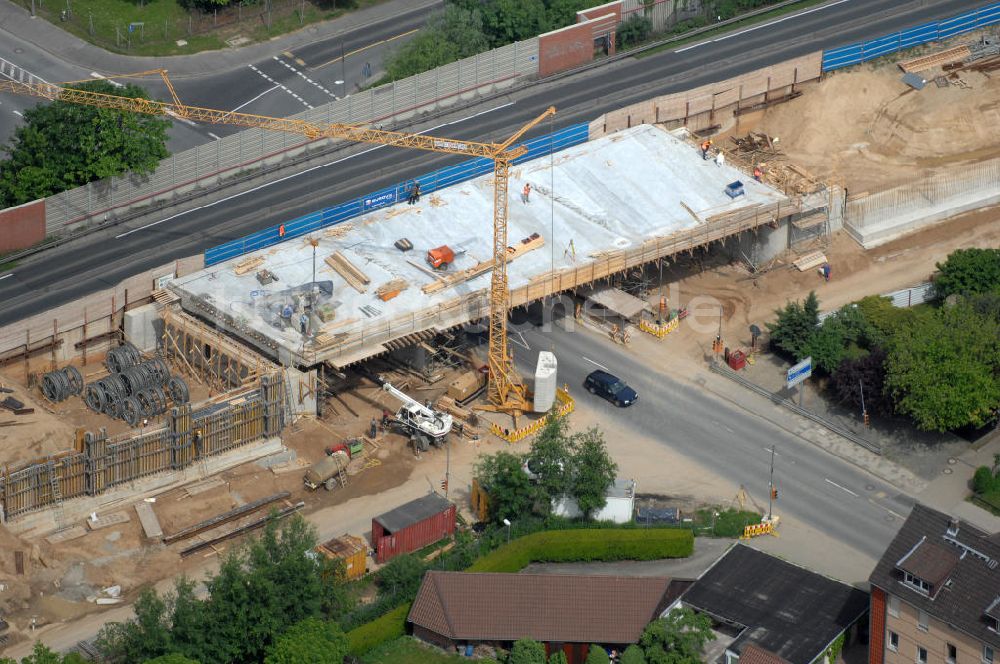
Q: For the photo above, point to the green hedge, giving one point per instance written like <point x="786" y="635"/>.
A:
<point x="390" y="626"/>
<point x="587" y="545"/>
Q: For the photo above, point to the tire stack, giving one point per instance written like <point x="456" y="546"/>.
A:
<point x="62" y="384"/>
<point x="136" y="389"/>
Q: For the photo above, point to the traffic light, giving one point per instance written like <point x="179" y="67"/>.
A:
<point x="774" y="493"/>
<point x="868" y="419"/>
<point x="444" y="485"/>
<point x="717" y="345"/>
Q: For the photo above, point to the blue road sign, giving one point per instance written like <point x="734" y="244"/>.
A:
<point x="799" y="372"/>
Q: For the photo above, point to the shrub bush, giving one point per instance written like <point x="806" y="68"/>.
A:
<point x="390" y="626"/>
<point x="984" y="481"/>
<point x="587" y="545"/>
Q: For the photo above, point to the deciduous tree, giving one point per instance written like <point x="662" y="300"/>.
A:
<point x="63" y="145"/>
<point x="968" y="272"/>
<point x="679" y="638"/>
<point x="527" y="651"/>
<point x="943" y="370"/>
<point x="593" y="471"/>
<point x="511" y="492"/>
<point x="633" y="655"/>
<point x="551" y="457"/>
<point x="172" y="658"/>
<point x="310" y="640"/>
<point x="596" y="655"/>
<point x="795" y="327"/>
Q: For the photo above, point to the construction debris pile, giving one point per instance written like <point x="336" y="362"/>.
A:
<point x="135" y="388"/>
<point x="982" y="56"/>
<point x="761" y="153"/>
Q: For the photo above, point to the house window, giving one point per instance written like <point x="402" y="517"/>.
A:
<point x="893" y="606"/>
<point x="921" y="655"/>
<point x="893" y="641"/>
<point x="952" y="653"/>
<point x="921" y="620"/>
<point x="987" y="655"/>
<point x="917" y="583"/>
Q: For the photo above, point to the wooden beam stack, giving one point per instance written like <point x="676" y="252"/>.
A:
<point x="346" y="269"/>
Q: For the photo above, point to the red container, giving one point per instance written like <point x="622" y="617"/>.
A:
<point x="737" y="360"/>
<point x="412" y="526"/>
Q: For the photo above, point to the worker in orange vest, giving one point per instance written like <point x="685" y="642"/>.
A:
<point x="705" y="146"/>
<point x="281" y="230"/>
<point x="526" y="193"/>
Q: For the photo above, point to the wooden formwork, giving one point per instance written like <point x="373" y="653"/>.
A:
<point x="197" y="350"/>
<point x="185" y="437"/>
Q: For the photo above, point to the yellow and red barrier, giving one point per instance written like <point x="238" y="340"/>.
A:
<point x="566" y="406"/>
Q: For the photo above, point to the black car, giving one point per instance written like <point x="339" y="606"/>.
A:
<point x="611" y="388"/>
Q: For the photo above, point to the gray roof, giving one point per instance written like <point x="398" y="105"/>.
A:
<point x="413" y="512"/>
<point x="785" y="609"/>
<point x="968" y="574"/>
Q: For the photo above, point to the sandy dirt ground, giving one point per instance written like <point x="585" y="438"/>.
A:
<point x="866" y="127"/>
<point x="861" y="126"/>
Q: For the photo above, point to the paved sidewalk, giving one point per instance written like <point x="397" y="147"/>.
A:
<point x="948" y="492"/>
<point x="16" y="20"/>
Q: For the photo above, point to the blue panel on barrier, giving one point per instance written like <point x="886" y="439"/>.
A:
<point x="429" y="182"/>
<point x="380" y="199"/>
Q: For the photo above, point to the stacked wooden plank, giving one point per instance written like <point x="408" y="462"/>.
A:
<point x="391" y="289"/>
<point x="810" y="260"/>
<point x="938" y="59"/>
<point x="350" y="272"/>
<point x="248" y="265"/>
<point x="524" y="246"/>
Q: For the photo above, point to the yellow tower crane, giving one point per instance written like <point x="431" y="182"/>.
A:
<point x="506" y="391"/>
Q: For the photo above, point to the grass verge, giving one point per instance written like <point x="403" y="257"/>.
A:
<point x="379" y="631"/>
<point x="753" y="20"/>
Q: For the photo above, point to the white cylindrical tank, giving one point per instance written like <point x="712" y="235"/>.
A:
<point x="545" y="382"/>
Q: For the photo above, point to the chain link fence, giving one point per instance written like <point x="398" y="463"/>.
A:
<point x="207" y="165"/>
<point x="880" y="216"/>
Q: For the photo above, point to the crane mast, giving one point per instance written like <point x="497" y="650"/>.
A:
<point x="506" y="392"/>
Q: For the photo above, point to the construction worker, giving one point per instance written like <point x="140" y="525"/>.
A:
<point x="414" y="193"/>
<point x="720" y="159"/>
<point x="826" y="272"/>
<point x="281" y="230"/>
<point x="372" y="428"/>
<point x="526" y="193"/>
<point x="757" y="173"/>
<point x="706" y="145"/>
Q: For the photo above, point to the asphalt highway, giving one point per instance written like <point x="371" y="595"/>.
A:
<point x="817" y="488"/>
<point x="104" y="258"/>
<point x="283" y="83"/>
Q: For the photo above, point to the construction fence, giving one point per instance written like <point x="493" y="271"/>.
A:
<point x="84" y="328"/>
<point x="845" y="56"/>
<point x="186" y="437"/>
<point x="429" y="182"/>
<point x="877" y="217"/>
<point x="705" y="107"/>
<point x="254" y="151"/>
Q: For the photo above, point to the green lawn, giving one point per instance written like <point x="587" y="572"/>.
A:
<point x="760" y="18"/>
<point x="105" y="23"/>
<point x="989" y="501"/>
<point x="406" y="650"/>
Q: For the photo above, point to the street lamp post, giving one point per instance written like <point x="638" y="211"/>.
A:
<point x="506" y="522"/>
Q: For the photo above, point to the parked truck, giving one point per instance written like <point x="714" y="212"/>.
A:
<point x="328" y="471"/>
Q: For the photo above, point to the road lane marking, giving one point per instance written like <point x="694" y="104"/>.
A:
<point x="596" y="364"/>
<point x="880" y="506"/>
<point x="177" y="117"/>
<point x="246" y="103"/>
<point x="277" y="85"/>
<point x="842" y="488"/>
<point x="365" y="48"/>
<point x="9" y="274"/>
<point x="19" y="114"/>
<point x="94" y="74"/>
<point x="779" y="20"/>
<point x="214" y="136"/>
<point x="289" y="177"/>
<point x="315" y="84"/>
<point x="757" y="27"/>
<point x="18" y="73"/>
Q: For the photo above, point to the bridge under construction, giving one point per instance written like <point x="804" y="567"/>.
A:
<point x="360" y="288"/>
